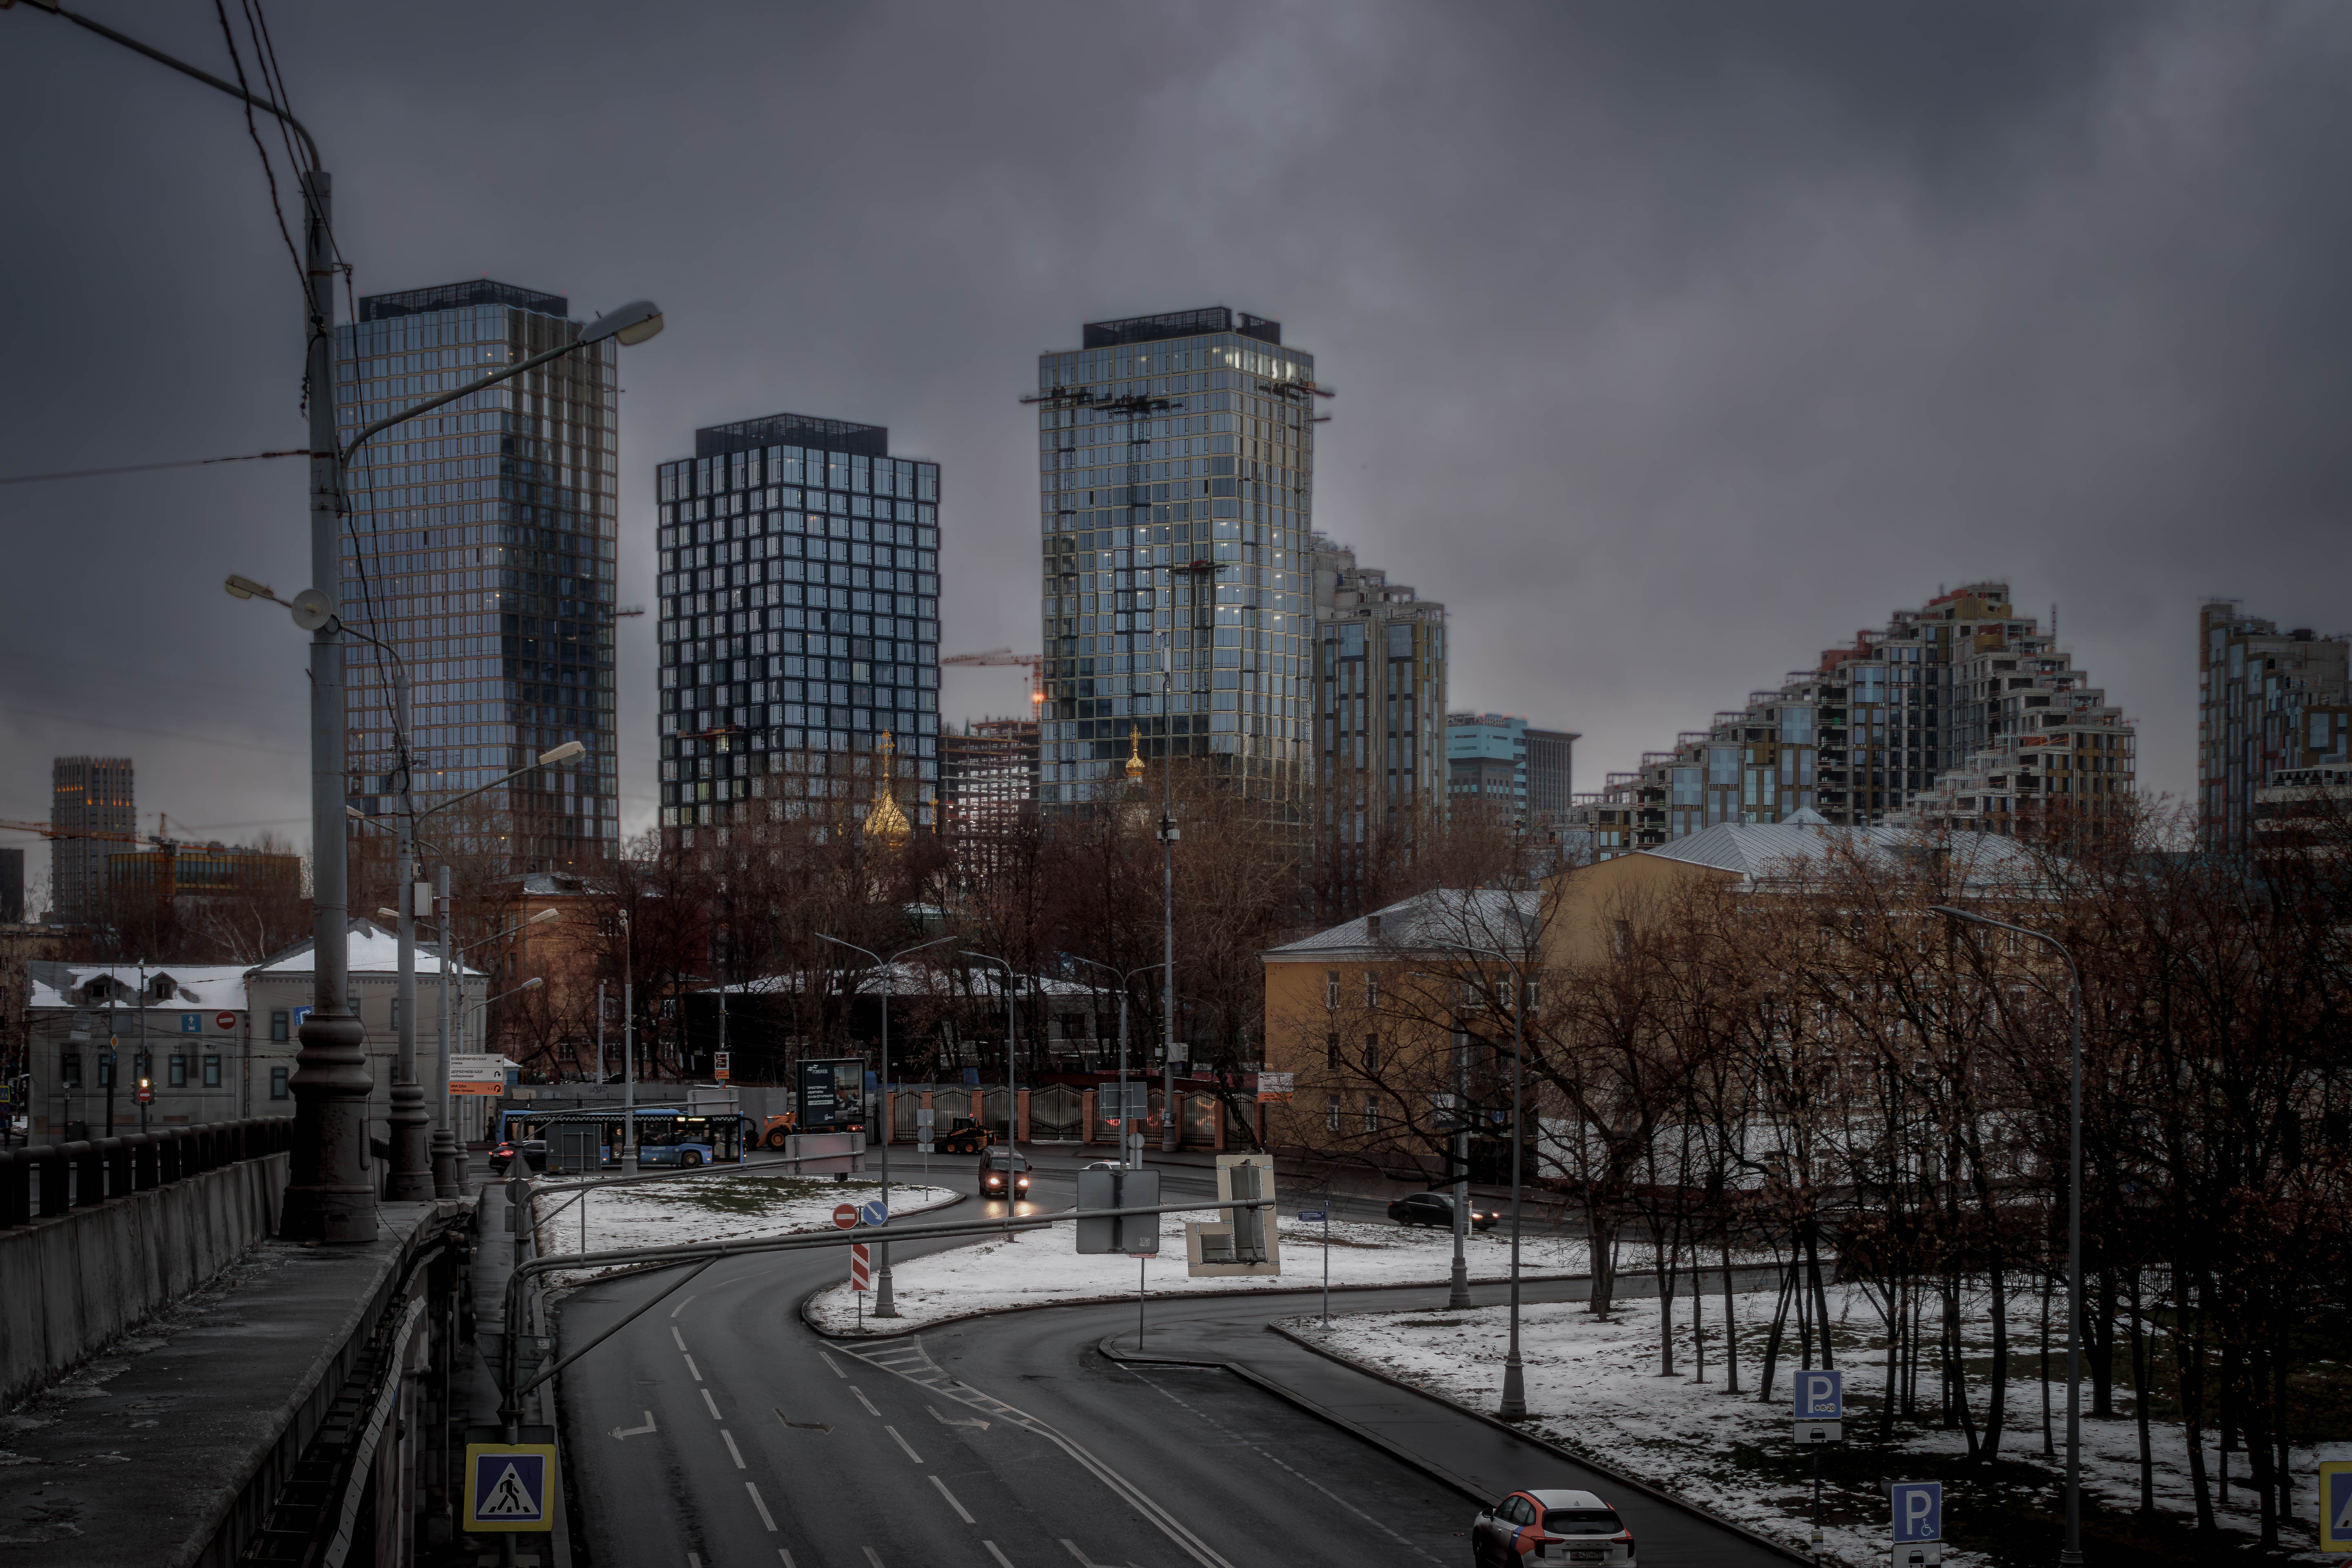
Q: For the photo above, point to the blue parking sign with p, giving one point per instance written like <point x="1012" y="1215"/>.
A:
<point x="1918" y="1511"/>
<point x="2336" y="1505"/>
<point x="507" y="1486"/>
<point x="1821" y="1396"/>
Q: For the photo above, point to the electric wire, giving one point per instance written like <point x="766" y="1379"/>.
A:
<point x="149" y="468"/>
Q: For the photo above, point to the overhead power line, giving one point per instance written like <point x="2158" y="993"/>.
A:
<point x="149" y="468"/>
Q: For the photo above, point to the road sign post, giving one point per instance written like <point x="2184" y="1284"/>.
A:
<point x="1324" y="1215"/>
<point x="1821" y="1421"/>
<point x="722" y="1064"/>
<point x="510" y="1487"/>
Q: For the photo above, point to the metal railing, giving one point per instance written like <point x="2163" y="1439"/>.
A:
<point x="51" y="1179"/>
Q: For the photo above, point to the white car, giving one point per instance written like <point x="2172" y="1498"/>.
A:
<point x="1551" y="1527"/>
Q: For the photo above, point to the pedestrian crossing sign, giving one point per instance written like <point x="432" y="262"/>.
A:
<point x="2336" y="1505"/>
<point x="508" y="1486"/>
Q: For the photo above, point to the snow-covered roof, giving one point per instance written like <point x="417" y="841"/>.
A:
<point x="1485" y="917"/>
<point x="206" y="988"/>
<point x="1776" y="850"/>
<point x="373" y="951"/>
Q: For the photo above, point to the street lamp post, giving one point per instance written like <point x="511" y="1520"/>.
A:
<point x="2072" y="1551"/>
<point x="1457" y="1292"/>
<point x="1011" y="1076"/>
<point x="1515" y="1386"/>
<point x="1130" y="1154"/>
<point x="884" y="1304"/>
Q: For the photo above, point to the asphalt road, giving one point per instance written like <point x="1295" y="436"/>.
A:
<point x="718" y="1431"/>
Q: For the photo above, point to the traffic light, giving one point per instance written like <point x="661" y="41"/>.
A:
<point x="146" y="1089"/>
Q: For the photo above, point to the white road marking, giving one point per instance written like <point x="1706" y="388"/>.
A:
<point x="678" y="1337"/>
<point x="736" y="1453"/>
<point x="714" y="1405"/>
<point x="904" y="1444"/>
<point x="674" y="1311"/>
<point x="1081" y="1556"/>
<point x="785" y="1555"/>
<point x="943" y="1421"/>
<point x="1253" y="1448"/>
<point x="694" y="1369"/>
<point x="831" y="1362"/>
<point x="931" y="1376"/>
<point x="636" y="1431"/>
<point x="870" y="1557"/>
<point x="765" y="1517"/>
<point x="961" y="1513"/>
<point x="1001" y="1558"/>
<point x="692" y="1561"/>
<point x="863" y="1400"/>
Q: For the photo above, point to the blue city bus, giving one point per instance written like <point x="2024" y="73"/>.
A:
<point x="667" y="1135"/>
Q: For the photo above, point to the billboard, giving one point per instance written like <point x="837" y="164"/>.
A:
<point x="830" y="1095"/>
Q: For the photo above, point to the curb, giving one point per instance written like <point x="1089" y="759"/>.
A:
<point x="1631" y="1482"/>
<point x="1393" y="1449"/>
<point x="629" y="1270"/>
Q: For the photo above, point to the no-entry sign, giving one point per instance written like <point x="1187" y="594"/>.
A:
<point x="845" y="1216"/>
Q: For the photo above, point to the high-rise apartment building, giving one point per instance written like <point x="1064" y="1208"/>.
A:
<point x="800" y="623"/>
<point x="1963" y="715"/>
<point x="87" y="795"/>
<point x="1378" y="739"/>
<point x="482" y="545"/>
<point x="1176" y="458"/>
<point x="1499" y="760"/>
<point x="987" y="789"/>
<point x="2267" y="701"/>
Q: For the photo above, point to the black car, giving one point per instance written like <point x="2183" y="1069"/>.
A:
<point x="1549" y="1527"/>
<point x="1000" y="1169"/>
<point x="532" y="1150"/>
<point x="1437" y="1209"/>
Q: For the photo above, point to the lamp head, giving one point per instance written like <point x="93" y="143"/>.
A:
<point x="562" y="754"/>
<point x="542" y="918"/>
<point x="533" y="984"/>
<point x="241" y="587"/>
<point x="384" y="914"/>
<point x="631" y="324"/>
<point x="311" y="609"/>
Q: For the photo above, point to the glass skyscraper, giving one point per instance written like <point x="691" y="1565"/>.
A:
<point x="1176" y="455"/>
<point x="480" y="543"/>
<point x="800" y="623"/>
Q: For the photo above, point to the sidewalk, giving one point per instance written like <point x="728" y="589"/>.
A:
<point x="147" y="1453"/>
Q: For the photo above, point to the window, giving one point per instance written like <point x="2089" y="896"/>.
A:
<point x="1371" y="1053"/>
<point x="278" y="1025"/>
<point x="1330" y="1113"/>
<point x="1332" y="1049"/>
<point x="212" y="1072"/>
<point x="1622" y="939"/>
<point x="69" y="1069"/>
<point x="1331" y="989"/>
<point x="277" y="1090"/>
<point x="1372" y="1114"/>
<point x="106" y="1070"/>
<point x="179" y="1072"/>
<point x="1371" y="989"/>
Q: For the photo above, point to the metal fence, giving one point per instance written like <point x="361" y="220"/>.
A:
<point x="50" y="1179"/>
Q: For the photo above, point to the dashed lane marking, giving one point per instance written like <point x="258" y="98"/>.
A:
<point x="909" y="1359"/>
<point x="757" y="1502"/>
<point x="678" y="1337"/>
<point x="714" y="1405"/>
<point x="961" y="1513"/>
<point x="682" y="1306"/>
<point x="904" y="1444"/>
<point x="1003" y="1561"/>
<point x="831" y="1362"/>
<point x="733" y="1452"/>
<point x="863" y="1400"/>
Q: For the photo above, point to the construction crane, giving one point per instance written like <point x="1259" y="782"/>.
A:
<point x="1034" y="662"/>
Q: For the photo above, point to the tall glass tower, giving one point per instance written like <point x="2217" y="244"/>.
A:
<point x="1176" y="460"/>
<point x="799" y="623"/>
<point x="480" y="543"/>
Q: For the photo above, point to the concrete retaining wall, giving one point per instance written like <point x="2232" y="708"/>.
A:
<point x="71" y="1284"/>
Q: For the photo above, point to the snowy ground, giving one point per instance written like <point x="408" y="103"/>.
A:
<point x="1594" y="1387"/>
<point x="717" y="1206"/>
<point x="1042" y="1267"/>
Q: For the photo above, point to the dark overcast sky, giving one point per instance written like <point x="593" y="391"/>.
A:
<point x="1675" y="341"/>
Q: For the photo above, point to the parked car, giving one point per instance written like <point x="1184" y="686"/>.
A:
<point x="533" y="1152"/>
<point x="1003" y="1174"/>
<point x="1549" y="1527"/>
<point x="1437" y="1209"/>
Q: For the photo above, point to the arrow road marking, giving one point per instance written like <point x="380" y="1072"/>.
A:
<point x="636" y="1431"/>
<point x="975" y="1422"/>
<point x="801" y="1426"/>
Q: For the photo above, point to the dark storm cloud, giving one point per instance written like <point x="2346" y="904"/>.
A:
<point x="1675" y="341"/>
